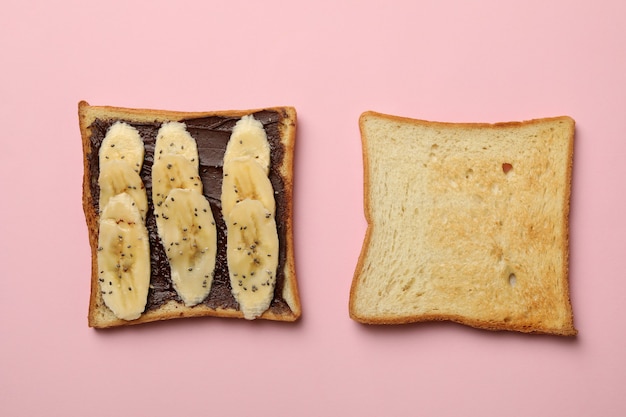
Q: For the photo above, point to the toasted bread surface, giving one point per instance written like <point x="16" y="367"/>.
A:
<point x="467" y="222"/>
<point x="211" y="131"/>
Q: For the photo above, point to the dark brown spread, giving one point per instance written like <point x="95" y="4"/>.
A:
<point x="212" y="135"/>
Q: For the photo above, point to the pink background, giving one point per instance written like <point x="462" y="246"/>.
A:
<point x="441" y="60"/>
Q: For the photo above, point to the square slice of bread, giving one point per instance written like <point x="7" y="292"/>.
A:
<point x="211" y="131"/>
<point x="467" y="222"/>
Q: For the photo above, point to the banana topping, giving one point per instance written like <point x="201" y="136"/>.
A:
<point x="123" y="258"/>
<point x="248" y="208"/>
<point x="252" y="254"/>
<point x="184" y="218"/>
<point x="123" y="249"/>
<point x="171" y="172"/>
<point x="122" y="142"/>
<point x="173" y="139"/>
<point x="116" y="177"/>
<point x="249" y="140"/>
<point x="245" y="178"/>
<point x="188" y="233"/>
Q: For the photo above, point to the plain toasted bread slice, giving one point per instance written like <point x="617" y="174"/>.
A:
<point x="467" y="223"/>
<point x="211" y="130"/>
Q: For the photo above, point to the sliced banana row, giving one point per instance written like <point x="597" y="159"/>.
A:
<point x="183" y="215"/>
<point x="123" y="256"/>
<point x="248" y="208"/>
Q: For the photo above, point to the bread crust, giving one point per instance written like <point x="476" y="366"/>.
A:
<point x="99" y="316"/>
<point x="565" y="329"/>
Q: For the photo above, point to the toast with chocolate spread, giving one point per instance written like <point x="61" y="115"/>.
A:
<point x="189" y="214"/>
<point x="467" y="222"/>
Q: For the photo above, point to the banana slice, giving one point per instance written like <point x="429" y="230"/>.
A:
<point x="116" y="177"/>
<point x="249" y="139"/>
<point x="122" y="142"/>
<point x="170" y="172"/>
<point x="123" y="258"/>
<point x="252" y="254"/>
<point x="174" y="139"/>
<point x="187" y="230"/>
<point x="244" y="178"/>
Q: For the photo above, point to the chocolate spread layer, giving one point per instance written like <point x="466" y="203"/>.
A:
<point x="211" y="135"/>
